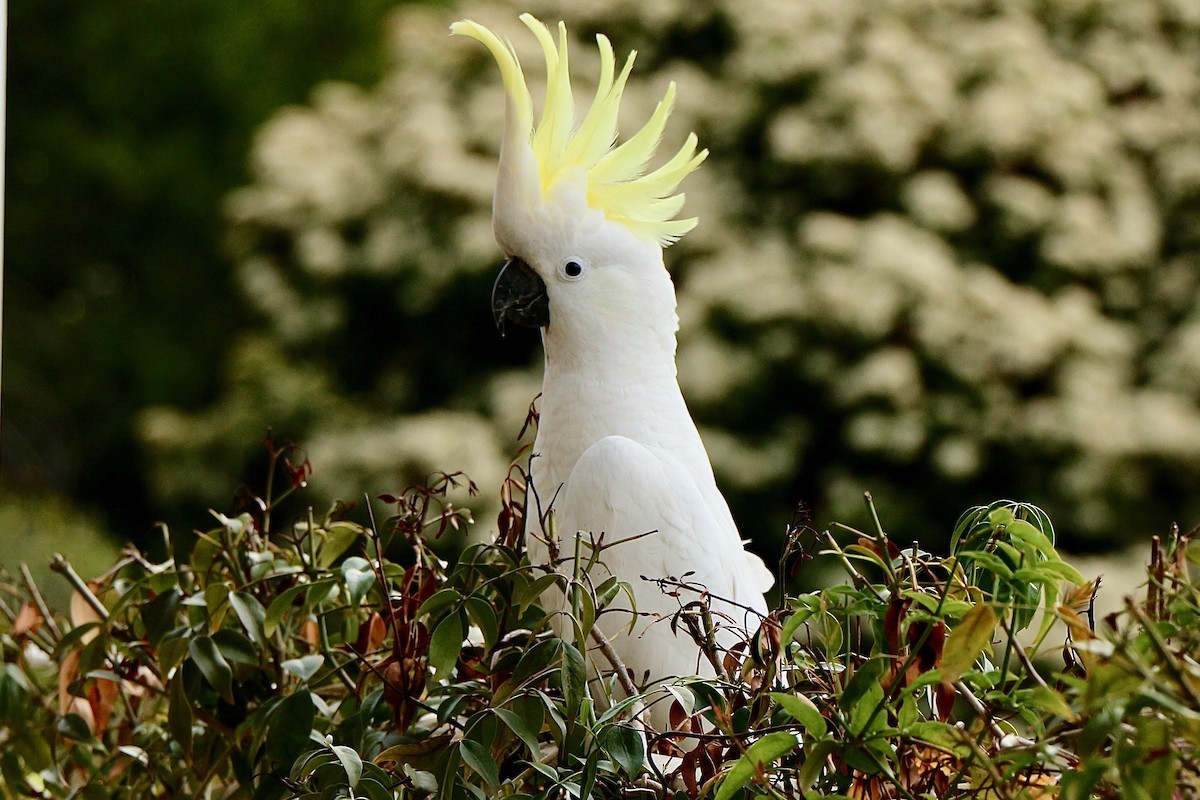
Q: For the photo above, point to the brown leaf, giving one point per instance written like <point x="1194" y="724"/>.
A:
<point x="28" y="620"/>
<point x="310" y="633"/>
<point x="893" y="618"/>
<point x="68" y="671"/>
<point x="767" y="643"/>
<point x="101" y="697"/>
<point x="943" y="700"/>
<point x="376" y="632"/>
<point x="82" y="612"/>
<point x="1080" y="630"/>
<point x="929" y="655"/>
<point x="1079" y="598"/>
<point x="687" y="771"/>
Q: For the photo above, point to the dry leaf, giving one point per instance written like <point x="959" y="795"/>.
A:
<point x="68" y="671"/>
<point x="28" y="620"/>
<point x="101" y="697"/>
<point x="82" y="613"/>
<point x="376" y="633"/>
<point x="310" y="633"/>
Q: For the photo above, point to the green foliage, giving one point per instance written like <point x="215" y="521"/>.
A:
<point x="320" y="657"/>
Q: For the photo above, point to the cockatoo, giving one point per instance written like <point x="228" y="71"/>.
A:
<point x="583" y="226"/>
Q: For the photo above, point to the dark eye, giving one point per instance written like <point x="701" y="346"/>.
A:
<point x="571" y="269"/>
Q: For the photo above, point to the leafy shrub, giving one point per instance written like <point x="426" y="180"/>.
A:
<point x="314" y="656"/>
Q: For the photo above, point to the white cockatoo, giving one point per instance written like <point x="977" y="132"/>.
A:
<point x="583" y="225"/>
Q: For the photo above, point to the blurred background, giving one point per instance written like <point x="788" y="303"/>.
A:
<point x="948" y="252"/>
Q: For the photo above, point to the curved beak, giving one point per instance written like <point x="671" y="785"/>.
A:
<point x="519" y="296"/>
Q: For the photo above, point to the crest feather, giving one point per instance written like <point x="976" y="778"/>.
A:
<point x="617" y="181"/>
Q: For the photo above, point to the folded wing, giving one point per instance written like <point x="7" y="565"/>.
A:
<point x="654" y="523"/>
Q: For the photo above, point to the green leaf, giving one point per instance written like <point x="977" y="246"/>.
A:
<point x="305" y="767"/>
<point x="531" y="592"/>
<point x="359" y="577"/>
<point x="1050" y="701"/>
<point x="587" y="778"/>
<point x="519" y="726"/>
<point x="74" y="727"/>
<point x="214" y="597"/>
<point x="179" y="713"/>
<point x="483" y="614"/>
<point x="1027" y="532"/>
<point x="988" y="561"/>
<point x="337" y="540"/>
<point x="290" y="727"/>
<point x="793" y="623"/>
<point x="941" y="734"/>
<point x="534" y="660"/>
<point x="236" y="648"/>
<point x="868" y="675"/>
<point x="158" y="615"/>
<point x="418" y="754"/>
<point x="814" y="762"/>
<point x="280" y="606"/>
<point x="607" y="590"/>
<point x="445" y="644"/>
<point x="251" y="614"/>
<point x="966" y="641"/>
<point x="351" y="763"/>
<point x="756" y="758"/>
<point x="574" y="677"/>
<point x="213" y="666"/>
<point x="304" y="667"/>
<point x="1062" y="571"/>
<point x="479" y="759"/>
<point x="626" y="747"/>
<point x="422" y="780"/>
<point x="172" y="651"/>
<point x="373" y="789"/>
<point x="803" y="710"/>
<point x="442" y="598"/>
<point x="73" y="639"/>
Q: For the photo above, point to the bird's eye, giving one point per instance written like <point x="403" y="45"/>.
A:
<point x="572" y="269"/>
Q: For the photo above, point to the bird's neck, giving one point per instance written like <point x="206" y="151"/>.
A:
<point x="613" y="391"/>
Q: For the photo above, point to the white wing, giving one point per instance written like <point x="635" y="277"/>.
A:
<point x="621" y="489"/>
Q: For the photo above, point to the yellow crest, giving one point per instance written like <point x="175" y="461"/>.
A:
<point x="617" y="182"/>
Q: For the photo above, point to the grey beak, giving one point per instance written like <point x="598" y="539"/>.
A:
<point x="519" y="296"/>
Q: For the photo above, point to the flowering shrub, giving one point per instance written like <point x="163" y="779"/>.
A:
<point x="289" y="656"/>
<point x="945" y="250"/>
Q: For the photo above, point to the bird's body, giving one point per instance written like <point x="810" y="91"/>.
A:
<point x="619" y="449"/>
<point x="617" y="453"/>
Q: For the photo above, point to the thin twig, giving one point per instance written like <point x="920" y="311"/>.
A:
<point x="979" y="708"/>
<point x="39" y="601"/>
<point x="615" y="660"/>
<point x="64" y="568"/>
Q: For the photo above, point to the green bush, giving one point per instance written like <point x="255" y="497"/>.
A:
<point x="300" y="655"/>
<point x="946" y="250"/>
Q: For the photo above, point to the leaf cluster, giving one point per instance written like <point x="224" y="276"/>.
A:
<point x="324" y="657"/>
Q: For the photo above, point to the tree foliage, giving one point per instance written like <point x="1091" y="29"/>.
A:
<point x="127" y="124"/>
<point x="945" y="250"/>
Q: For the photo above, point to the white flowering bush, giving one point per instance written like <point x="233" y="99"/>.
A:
<point x="946" y="250"/>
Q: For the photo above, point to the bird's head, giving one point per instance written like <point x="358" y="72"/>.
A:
<point x="580" y="219"/>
